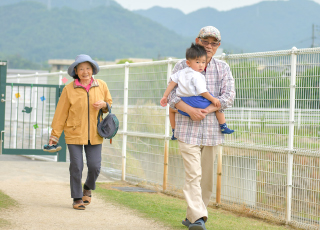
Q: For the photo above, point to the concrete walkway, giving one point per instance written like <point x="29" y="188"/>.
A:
<point x="15" y="158"/>
<point x="43" y="193"/>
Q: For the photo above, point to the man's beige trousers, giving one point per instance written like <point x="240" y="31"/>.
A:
<point x="198" y="164"/>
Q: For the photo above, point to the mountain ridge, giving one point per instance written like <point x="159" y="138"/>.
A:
<point x="264" y="26"/>
<point x="108" y="32"/>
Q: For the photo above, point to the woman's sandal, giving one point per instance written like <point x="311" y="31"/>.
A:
<point x="79" y="205"/>
<point x="86" y="197"/>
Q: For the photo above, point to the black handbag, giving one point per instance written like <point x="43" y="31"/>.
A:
<point x="108" y="127"/>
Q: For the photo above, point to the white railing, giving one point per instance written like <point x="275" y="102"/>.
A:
<point x="270" y="165"/>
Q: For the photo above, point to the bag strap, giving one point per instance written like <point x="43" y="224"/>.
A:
<point x="100" y="114"/>
<point x="109" y="108"/>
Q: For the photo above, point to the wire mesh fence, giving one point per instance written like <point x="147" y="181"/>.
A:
<point x="258" y="158"/>
<point x="270" y="165"/>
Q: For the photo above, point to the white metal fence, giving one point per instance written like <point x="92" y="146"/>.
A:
<point x="270" y="165"/>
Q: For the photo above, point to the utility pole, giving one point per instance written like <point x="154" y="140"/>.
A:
<point x="313" y="37"/>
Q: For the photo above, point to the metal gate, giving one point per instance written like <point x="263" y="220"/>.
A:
<point x="26" y="113"/>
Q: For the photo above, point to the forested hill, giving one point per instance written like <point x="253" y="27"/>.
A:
<point x="105" y="32"/>
<point x="265" y="26"/>
<point x="73" y="4"/>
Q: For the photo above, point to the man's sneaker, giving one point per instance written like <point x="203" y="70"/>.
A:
<point x="52" y="148"/>
<point x="198" y="225"/>
<point x="186" y="222"/>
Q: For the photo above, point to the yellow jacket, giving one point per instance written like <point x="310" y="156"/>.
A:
<point x="75" y="114"/>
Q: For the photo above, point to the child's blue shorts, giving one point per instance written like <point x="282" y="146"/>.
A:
<point x="195" y="102"/>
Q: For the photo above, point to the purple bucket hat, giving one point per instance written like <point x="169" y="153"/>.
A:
<point x="210" y="31"/>
<point x="83" y="58"/>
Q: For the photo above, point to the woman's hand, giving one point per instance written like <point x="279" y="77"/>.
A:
<point x="52" y="142"/>
<point x="99" y="105"/>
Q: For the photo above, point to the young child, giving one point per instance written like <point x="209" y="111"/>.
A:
<point x="192" y="87"/>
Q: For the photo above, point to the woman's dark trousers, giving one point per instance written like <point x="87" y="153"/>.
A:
<point x="93" y="155"/>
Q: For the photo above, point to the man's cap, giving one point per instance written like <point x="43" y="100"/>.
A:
<point x="210" y="31"/>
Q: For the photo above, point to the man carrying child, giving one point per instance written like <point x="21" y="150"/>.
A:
<point x="199" y="134"/>
<point x="192" y="87"/>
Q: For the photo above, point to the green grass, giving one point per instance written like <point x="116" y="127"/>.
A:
<point x="5" y="202"/>
<point x="170" y="210"/>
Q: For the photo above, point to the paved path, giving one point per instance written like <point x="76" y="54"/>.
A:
<point x="15" y="158"/>
<point x="43" y="193"/>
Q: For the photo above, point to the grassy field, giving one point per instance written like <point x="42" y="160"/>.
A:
<point x="171" y="210"/>
<point x="5" y="202"/>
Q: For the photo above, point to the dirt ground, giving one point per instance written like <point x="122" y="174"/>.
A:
<point x="43" y="193"/>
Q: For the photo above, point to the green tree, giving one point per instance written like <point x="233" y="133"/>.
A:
<point x="122" y="61"/>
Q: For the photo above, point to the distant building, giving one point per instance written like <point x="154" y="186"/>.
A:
<point x="63" y="64"/>
<point x="14" y="72"/>
<point x="135" y="60"/>
<point x="13" y="76"/>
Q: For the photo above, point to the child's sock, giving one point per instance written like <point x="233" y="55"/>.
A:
<point x="225" y="129"/>
<point x="173" y="138"/>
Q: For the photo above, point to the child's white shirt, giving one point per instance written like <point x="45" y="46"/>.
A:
<point x="190" y="82"/>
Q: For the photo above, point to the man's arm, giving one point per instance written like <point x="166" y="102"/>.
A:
<point x="227" y="90"/>
<point x="195" y="113"/>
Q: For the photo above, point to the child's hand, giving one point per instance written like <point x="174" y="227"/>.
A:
<point x="216" y="102"/>
<point x="163" y="102"/>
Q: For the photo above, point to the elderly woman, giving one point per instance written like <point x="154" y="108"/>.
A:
<point x="76" y="114"/>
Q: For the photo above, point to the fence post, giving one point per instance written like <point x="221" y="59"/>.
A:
<point x="35" y="108"/>
<point x="249" y="119"/>
<point x="60" y="78"/>
<point x="125" y="120"/>
<point x="166" y="141"/>
<point x="62" y="154"/>
<point x="219" y="175"/>
<point x="15" y="124"/>
<point x="58" y="154"/>
<point x="291" y="132"/>
<point x="3" y="80"/>
<point x="219" y="163"/>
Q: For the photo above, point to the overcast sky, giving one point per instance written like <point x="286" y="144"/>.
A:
<point x="188" y="6"/>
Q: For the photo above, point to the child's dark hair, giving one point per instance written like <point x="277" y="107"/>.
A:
<point x="195" y="51"/>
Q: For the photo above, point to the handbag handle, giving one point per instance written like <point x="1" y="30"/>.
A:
<point x="100" y="114"/>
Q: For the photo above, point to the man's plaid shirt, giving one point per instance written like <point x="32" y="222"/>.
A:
<point x="207" y="131"/>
